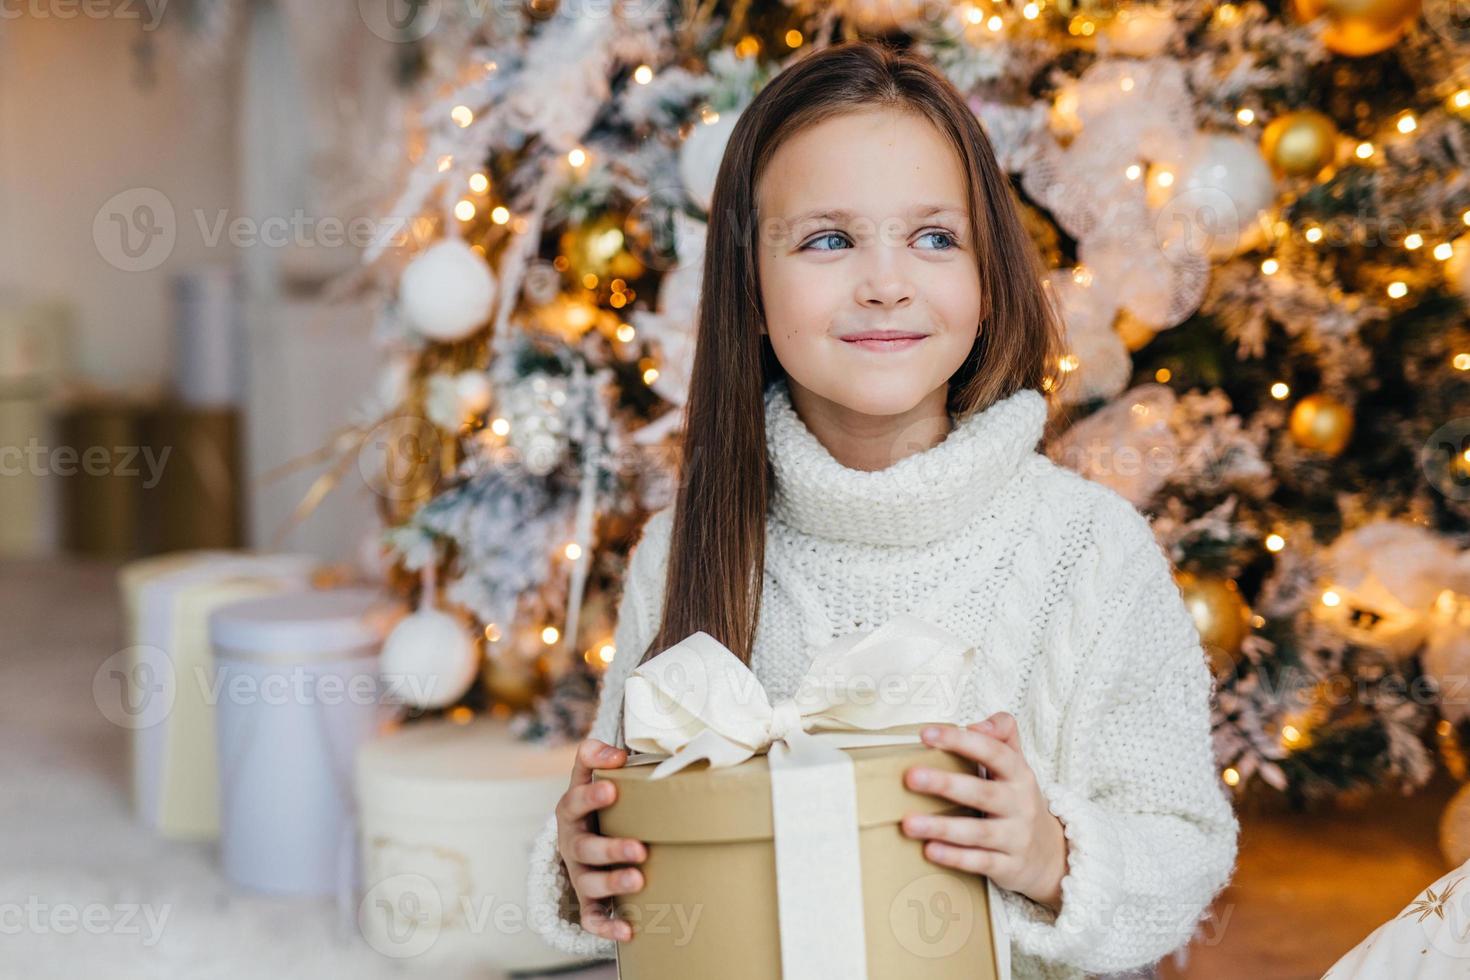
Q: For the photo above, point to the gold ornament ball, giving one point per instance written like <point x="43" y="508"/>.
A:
<point x="1357" y="28"/>
<point x="601" y="248"/>
<point x="1220" y="614"/>
<point x="1322" y="424"/>
<point x="511" y="680"/>
<point x="1300" y="143"/>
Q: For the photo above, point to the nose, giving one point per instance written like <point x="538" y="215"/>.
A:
<point x="884" y="282"/>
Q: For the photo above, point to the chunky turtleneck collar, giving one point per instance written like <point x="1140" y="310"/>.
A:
<point x="921" y="498"/>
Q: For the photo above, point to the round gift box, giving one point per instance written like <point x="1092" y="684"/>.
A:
<point x="296" y="678"/>
<point x="708" y="907"/>
<point x="448" y="814"/>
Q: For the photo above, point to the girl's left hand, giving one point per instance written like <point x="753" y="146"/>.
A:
<point x="1019" y="844"/>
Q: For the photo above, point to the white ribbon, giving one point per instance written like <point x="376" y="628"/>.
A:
<point x="697" y="700"/>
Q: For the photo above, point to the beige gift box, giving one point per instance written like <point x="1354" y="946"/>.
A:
<point x="708" y="908"/>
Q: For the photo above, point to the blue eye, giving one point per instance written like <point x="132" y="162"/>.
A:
<point x="824" y="237"/>
<point x="941" y="234"/>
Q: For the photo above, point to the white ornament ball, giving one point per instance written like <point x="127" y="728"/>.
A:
<point x="700" y="156"/>
<point x="428" y="660"/>
<point x="1215" y="196"/>
<point x="447" y="291"/>
<point x="473" y="388"/>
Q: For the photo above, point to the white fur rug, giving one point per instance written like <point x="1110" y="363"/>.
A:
<point x="84" y="890"/>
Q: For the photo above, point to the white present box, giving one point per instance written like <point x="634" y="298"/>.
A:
<point x="160" y="687"/>
<point x="448" y="814"/>
<point x="297" y="676"/>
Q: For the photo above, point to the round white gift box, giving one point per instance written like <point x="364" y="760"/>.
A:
<point x="296" y="677"/>
<point x="448" y="814"/>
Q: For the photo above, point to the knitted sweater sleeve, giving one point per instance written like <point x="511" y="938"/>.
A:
<point x="1151" y="836"/>
<point x="551" y="903"/>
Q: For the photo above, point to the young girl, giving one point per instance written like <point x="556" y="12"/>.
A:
<point x="860" y="442"/>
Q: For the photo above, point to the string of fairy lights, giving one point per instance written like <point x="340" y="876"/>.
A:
<point x="1317" y="421"/>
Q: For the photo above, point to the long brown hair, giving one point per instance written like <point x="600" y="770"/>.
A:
<point x="717" y="553"/>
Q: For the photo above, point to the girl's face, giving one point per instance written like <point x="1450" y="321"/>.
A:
<point x="864" y="233"/>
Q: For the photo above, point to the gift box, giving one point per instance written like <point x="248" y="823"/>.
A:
<point x="448" y="813"/>
<point x="774" y="840"/>
<point x="709" y="906"/>
<point x="162" y="693"/>
<point x="298" y="676"/>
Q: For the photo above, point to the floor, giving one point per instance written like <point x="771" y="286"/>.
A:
<point x="99" y="896"/>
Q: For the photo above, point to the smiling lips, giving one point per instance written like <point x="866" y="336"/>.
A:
<point x="883" y="340"/>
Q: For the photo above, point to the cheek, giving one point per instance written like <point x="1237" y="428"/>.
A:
<point x="956" y="297"/>
<point x="799" y="305"/>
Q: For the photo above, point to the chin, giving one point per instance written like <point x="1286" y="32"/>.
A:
<point x="879" y="396"/>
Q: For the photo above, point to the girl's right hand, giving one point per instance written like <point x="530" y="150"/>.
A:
<point x="596" y="865"/>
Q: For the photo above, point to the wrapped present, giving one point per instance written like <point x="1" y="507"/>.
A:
<point x="161" y="690"/>
<point x="773" y="830"/>
<point x="448" y="813"/>
<point x="298" y="672"/>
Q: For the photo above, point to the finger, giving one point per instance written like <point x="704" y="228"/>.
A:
<point x="962" y="788"/>
<point x="596" y="849"/>
<point x="999" y="759"/>
<point x="595" y="754"/>
<point x="1001" y="725"/>
<point x="972" y="859"/>
<point x="591" y="883"/>
<point x="579" y="801"/>
<point x="596" y="920"/>
<point x="988" y="832"/>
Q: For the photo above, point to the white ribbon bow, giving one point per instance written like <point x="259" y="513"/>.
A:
<point x="697" y="700"/>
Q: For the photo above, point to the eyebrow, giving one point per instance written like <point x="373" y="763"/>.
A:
<point x="843" y="214"/>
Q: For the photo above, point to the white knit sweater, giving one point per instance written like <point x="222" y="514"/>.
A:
<point x="1083" y="636"/>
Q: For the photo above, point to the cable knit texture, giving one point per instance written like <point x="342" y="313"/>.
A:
<point x="1082" y="634"/>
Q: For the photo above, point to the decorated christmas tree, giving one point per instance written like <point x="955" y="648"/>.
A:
<point x="1256" y="224"/>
